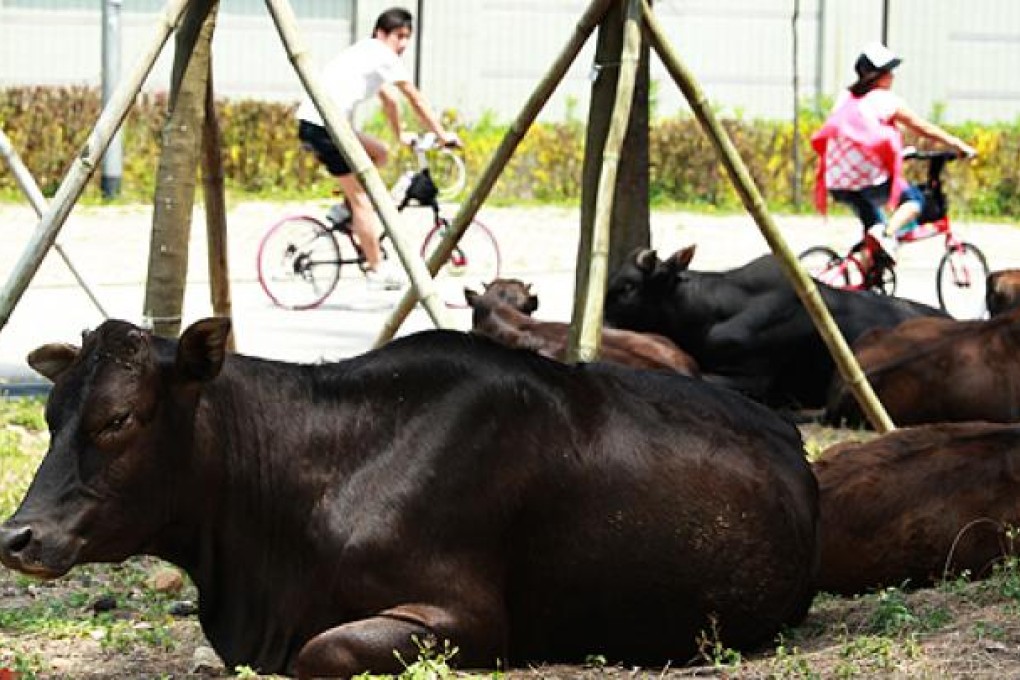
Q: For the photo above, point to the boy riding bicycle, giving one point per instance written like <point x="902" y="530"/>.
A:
<point x="860" y="151"/>
<point x="367" y="68"/>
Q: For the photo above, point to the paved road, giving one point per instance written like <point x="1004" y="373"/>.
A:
<point x="110" y="246"/>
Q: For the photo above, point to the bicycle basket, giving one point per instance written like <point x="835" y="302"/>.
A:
<point x="421" y="189"/>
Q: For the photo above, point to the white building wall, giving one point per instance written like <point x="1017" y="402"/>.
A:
<point x="479" y="56"/>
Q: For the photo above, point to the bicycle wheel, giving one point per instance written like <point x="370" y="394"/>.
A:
<point x="961" y="281"/>
<point x="474" y="261"/>
<point x="298" y="262"/>
<point x="829" y="267"/>
<point x="448" y="172"/>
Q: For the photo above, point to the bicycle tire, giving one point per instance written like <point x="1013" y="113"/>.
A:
<point x="829" y="267"/>
<point x="298" y="262"/>
<point x="961" y="281"/>
<point x="475" y="260"/>
<point x="448" y="172"/>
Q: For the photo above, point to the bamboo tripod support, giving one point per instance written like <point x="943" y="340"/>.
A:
<point x="347" y="141"/>
<point x="527" y="115"/>
<point x="586" y="324"/>
<point x="755" y="205"/>
<point x="74" y="181"/>
<point x="30" y="188"/>
<point x="421" y="273"/>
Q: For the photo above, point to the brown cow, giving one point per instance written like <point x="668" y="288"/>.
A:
<point x="918" y="504"/>
<point x="1002" y="291"/>
<point x="932" y="370"/>
<point x="502" y="313"/>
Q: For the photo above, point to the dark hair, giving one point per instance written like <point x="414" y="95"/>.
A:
<point x="392" y="19"/>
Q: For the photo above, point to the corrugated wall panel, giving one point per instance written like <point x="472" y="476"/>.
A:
<point x="487" y="55"/>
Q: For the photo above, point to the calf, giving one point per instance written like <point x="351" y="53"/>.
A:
<point x="1002" y="291"/>
<point x="503" y="313"/>
<point x="746" y="327"/>
<point x="917" y="505"/>
<point x="938" y="370"/>
<point x="442" y="486"/>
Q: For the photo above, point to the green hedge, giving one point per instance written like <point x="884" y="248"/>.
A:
<point x="262" y="156"/>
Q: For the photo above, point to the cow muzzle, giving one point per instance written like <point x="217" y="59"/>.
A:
<point x="21" y="550"/>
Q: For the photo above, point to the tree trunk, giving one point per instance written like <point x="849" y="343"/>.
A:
<point x="176" y="177"/>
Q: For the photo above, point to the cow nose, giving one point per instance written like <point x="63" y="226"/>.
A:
<point x="14" y="539"/>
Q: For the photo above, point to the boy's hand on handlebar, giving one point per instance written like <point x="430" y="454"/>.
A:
<point x="408" y="139"/>
<point x="451" y="140"/>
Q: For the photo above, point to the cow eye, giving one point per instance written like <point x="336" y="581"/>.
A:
<point x="116" y="423"/>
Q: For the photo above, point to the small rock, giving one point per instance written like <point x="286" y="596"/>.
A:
<point x="104" y="603"/>
<point x="206" y="662"/>
<point x="165" y="580"/>
<point x="183" y="608"/>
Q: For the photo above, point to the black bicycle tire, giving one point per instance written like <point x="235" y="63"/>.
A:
<point x="981" y="280"/>
<point x="274" y="291"/>
<point x="453" y="296"/>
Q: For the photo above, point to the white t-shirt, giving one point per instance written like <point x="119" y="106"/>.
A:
<point x="849" y="166"/>
<point x="355" y="75"/>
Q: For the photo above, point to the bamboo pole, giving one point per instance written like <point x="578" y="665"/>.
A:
<point x="215" y="210"/>
<point x="30" y="188"/>
<point x="755" y="204"/>
<point x="85" y="164"/>
<point x="347" y="141"/>
<point x="587" y="316"/>
<point x="527" y="115"/>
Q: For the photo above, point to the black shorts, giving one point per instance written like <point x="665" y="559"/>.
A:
<point x="325" y="150"/>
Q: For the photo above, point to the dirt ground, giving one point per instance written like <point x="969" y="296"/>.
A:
<point x="127" y="621"/>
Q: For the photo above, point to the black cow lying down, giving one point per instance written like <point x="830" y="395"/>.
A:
<point x="745" y="327"/>
<point x="441" y="486"/>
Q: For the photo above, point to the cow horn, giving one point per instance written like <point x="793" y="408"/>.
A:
<point x="646" y="259"/>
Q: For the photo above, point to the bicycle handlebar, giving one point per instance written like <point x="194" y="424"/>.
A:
<point x="911" y="153"/>
<point x="427" y="141"/>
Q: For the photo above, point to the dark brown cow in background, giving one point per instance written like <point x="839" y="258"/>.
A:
<point x="442" y="486"/>
<point x="503" y="313"/>
<point x="1002" y="291"/>
<point x="917" y="504"/>
<point x="932" y="370"/>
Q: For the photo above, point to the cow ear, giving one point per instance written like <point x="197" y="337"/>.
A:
<point x="680" y="260"/>
<point x="532" y="304"/>
<point x="52" y="360"/>
<point x="471" y="296"/>
<point x="202" y="349"/>
<point x="646" y="260"/>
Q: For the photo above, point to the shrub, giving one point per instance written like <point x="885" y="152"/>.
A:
<point x="261" y="154"/>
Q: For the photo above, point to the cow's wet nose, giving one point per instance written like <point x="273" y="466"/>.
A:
<point x="14" y="539"/>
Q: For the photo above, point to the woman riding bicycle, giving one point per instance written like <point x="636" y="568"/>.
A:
<point x="367" y="68"/>
<point x="860" y="147"/>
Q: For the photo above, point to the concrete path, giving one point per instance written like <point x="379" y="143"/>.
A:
<point x="110" y="247"/>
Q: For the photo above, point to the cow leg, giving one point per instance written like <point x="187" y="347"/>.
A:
<point x="369" y="644"/>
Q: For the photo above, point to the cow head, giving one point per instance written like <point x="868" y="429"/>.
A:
<point x="513" y="292"/>
<point x="643" y="284"/>
<point x="119" y="419"/>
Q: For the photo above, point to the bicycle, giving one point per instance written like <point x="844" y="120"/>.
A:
<point x="962" y="270"/>
<point x="300" y="256"/>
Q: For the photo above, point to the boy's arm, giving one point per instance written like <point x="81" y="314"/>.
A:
<point x="391" y="110"/>
<point x="425" y="112"/>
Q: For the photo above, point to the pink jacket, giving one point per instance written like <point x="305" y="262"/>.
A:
<point x="882" y="138"/>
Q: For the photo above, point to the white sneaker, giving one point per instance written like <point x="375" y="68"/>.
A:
<point x="386" y="277"/>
